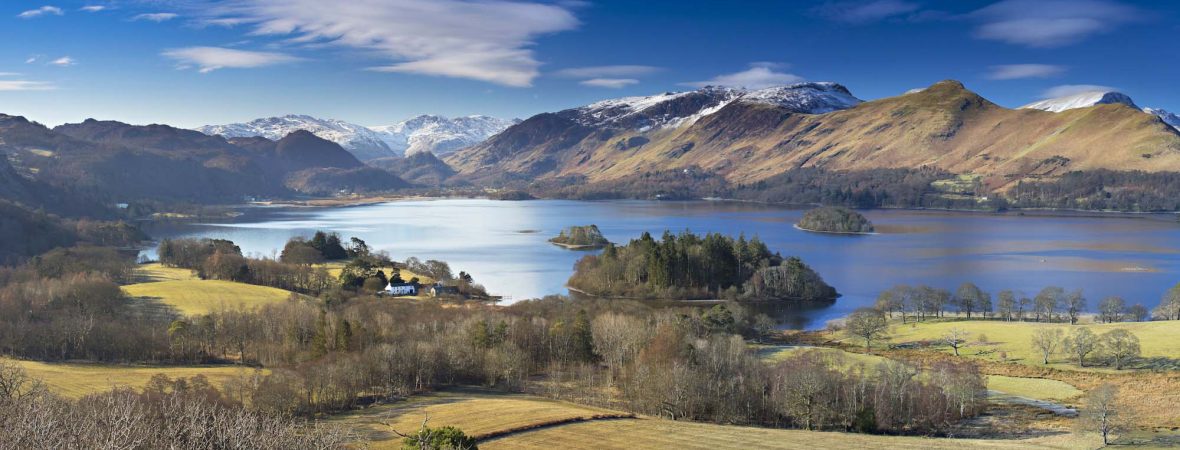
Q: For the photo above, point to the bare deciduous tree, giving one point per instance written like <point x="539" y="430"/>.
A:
<point x="867" y="324"/>
<point x="1045" y="341"/>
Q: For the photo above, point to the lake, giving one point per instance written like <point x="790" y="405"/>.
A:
<point x="503" y="244"/>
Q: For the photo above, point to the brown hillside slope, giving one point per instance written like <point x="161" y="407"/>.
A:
<point x="945" y="126"/>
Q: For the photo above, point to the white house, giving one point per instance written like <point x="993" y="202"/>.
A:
<point x="400" y="289"/>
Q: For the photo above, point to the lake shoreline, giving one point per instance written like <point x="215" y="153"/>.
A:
<point x="330" y="202"/>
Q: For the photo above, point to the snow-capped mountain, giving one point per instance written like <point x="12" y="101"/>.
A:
<point x="425" y="133"/>
<point x="362" y="142"/>
<point x="674" y="109"/>
<point x="1081" y="100"/>
<point x="1092" y="98"/>
<point x="440" y="135"/>
<point x="1168" y="117"/>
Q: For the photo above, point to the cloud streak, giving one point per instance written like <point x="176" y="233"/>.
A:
<point x="607" y="71"/>
<point x="92" y="8"/>
<point x="1051" y="23"/>
<point x="486" y="40"/>
<point x="42" y="11"/>
<point x="1019" y="71"/>
<point x="208" y="59"/>
<point x="758" y="76"/>
<point x="64" y="61"/>
<point x="155" y="17"/>
<point x="612" y="83"/>
<point x="862" y="12"/>
<point x="25" y="85"/>
<point x="1067" y="90"/>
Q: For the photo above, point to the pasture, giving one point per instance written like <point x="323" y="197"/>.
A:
<point x="529" y="422"/>
<point x="74" y="380"/>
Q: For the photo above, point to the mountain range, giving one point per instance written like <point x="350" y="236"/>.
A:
<point x="424" y="133"/>
<point x="113" y="162"/>
<point x="747" y="136"/>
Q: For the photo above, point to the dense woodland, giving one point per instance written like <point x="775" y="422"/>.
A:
<point x="688" y="266"/>
<point x="835" y="219"/>
<point x="588" y="236"/>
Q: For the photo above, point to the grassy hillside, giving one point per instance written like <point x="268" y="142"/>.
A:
<point x="1011" y="341"/>
<point x="75" y="380"/>
<point x="481" y="412"/>
<point x="181" y="290"/>
<point x="944" y="126"/>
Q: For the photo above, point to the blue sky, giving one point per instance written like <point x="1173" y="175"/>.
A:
<point x="373" y="62"/>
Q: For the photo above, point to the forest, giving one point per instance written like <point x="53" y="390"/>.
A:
<point x="688" y="266"/>
<point x="835" y="219"/>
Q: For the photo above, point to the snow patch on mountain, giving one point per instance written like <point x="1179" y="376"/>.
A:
<point x="424" y="133"/>
<point x="440" y="135"/>
<point x="362" y="142"/>
<point x="1168" y="117"/>
<point x="1081" y="100"/>
<point x="676" y="109"/>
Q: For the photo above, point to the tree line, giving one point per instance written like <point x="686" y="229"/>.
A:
<point x="687" y="266"/>
<point x="1050" y="304"/>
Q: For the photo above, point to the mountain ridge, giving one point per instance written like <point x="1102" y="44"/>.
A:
<point x="436" y="134"/>
<point x="944" y="126"/>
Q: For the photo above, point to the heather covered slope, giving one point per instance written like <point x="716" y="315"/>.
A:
<point x="944" y="126"/>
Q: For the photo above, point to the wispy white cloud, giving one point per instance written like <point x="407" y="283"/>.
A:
<point x="862" y="12"/>
<point x="208" y="59"/>
<point x="759" y="75"/>
<point x="64" y="61"/>
<point x="1067" y="90"/>
<point x="92" y="8"/>
<point x="44" y="10"/>
<point x="1051" y="23"/>
<point x="1018" y="71"/>
<point x="155" y="17"/>
<point x="25" y="85"/>
<point x="9" y="74"/>
<point x="613" y="83"/>
<point x="486" y="40"/>
<point x="607" y="71"/>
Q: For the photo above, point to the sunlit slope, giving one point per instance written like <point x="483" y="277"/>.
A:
<point x="945" y="126"/>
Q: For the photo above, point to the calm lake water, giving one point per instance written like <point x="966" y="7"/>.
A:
<point x="503" y="244"/>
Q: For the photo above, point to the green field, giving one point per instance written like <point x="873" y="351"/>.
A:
<point x="479" y="412"/>
<point x="1012" y="341"/>
<point x="1034" y="388"/>
<point x="194" y="297"/>
<point x="476" y="412"/>
<point x="75" y="380"/>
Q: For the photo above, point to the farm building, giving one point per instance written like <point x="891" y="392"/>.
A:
<point x="439" y="290"/>
<point x="400" y="289"/>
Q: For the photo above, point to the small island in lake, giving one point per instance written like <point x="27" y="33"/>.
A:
<point x="835" y="219"/>
<point x="693" y="267"/>
<point x="581" y="238"/>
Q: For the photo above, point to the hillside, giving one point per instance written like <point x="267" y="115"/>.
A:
<point x="422" y="168"/>
<point x="944" y="126"/>
<point x="114" y="162"/>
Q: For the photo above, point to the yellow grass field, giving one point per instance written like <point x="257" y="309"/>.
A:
<point x="474" y="411"/>
<point x="75" y="380"/>
<point x="1034" y="388"/>
<point x="1014" y="339"/>
<point x="666" y="434"/>
<point x="147" y="273"/>
<point x="194" y="297"/>
<point x="479" y="412"/>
